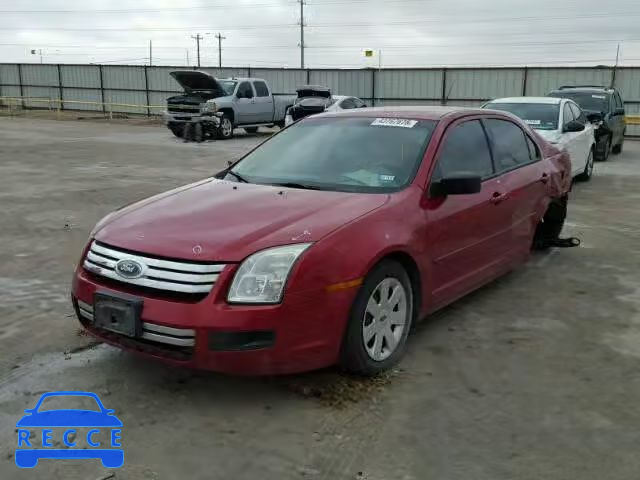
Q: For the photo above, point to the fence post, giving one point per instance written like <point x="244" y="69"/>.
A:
<point x="146" y="88"/>
<point x="104" y="107"/>
<point x="308" y="76"/>
<point x="61" y="104"/>
<point x="21" y="87"/>
<point x="525" y="74"/>
<point x="373" y="87"/>
<point x="443" y="93"/>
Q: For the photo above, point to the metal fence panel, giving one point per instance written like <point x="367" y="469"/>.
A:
<point x="130" y="77"/>
<point x="281" y="81"/>
<point x="419" y="84"/>
<point x="40" y="75"/>
<point x="9" y="91"/>
<point x="72" y="95"/>
<point x="161" y="80"/>
<point x="226" y="72"/>
<point x="633" y="109"/>
<point x="344" y="82"/>
<point x="86" y="76"/>
<point x="130" y="97"/>
<point x="399" y="103"/>
<point x="9" y="74"/>
<point x="466" y="103"/>
<point x="36" y="95"/>
<point x="541" y="81"/>
<point x="484" y="84"/>
<point x="158" y="99"/>
<point x="628" y="81"/>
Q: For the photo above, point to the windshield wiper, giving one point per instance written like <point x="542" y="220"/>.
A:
<point x="239" y="177"/>
<point x="303" y="186"/>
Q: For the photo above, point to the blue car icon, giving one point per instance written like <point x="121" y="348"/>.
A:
<point x="69" y="418"/>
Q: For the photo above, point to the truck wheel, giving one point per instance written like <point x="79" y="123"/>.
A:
<point x="177" y="130"/>
<point x="379" y="322"/>
<point x="225" y="131"/>
<point x="251" y="129"/>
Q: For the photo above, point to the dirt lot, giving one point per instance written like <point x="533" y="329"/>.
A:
<point x="533" y="377"/>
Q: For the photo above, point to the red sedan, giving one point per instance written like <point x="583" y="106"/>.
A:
<point x="324" y="244"/>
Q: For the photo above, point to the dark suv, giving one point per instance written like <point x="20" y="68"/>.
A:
<point x="604" y="108"/>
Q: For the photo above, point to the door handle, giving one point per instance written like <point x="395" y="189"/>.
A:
<point x="544" y="178"/>
<point x="498" y="197"/>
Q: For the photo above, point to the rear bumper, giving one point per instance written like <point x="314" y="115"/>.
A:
<point x="209" y="334"/>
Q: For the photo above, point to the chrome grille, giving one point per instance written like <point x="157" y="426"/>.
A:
<point x="166" y="275"/>
<point x="181" y="337"/>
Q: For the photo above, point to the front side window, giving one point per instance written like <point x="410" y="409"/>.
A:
<point x="619" y="103"/>
<point x="228" y="86"/>
<point x="347" y="104"/>
<point x="541" y="116"/>
<point x="245" y="90"/>
<point x="365" y="155"/>
<point x="567" y="114"/>
<point x="464" y="151"/>
<point x="261" y="89"/>
<point x="510" y="149"/>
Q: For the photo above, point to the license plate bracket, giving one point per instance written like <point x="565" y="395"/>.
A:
<point x="118" y="313"/>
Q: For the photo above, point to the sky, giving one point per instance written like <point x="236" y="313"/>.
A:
<point x="266" y="33"/>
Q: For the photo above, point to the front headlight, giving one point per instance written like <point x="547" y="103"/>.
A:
<point x="208" y="107"/>
<point x="262" y="277"/>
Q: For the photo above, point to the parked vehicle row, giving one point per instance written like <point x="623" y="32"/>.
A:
<point x="326" y="243"/>
<point x="313" y="99"/>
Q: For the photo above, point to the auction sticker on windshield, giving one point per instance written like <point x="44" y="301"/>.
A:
<point x="394" y="122"/>
<point x="532" y="122"/>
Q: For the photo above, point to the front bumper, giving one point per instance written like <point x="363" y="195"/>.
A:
<point x="209" y="334"/>
<point x="174" y="118"/>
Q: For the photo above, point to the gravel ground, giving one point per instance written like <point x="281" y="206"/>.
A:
<point x="532" y="377"/>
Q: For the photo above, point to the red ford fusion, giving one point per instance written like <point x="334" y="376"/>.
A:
<point x="324" y="244"/>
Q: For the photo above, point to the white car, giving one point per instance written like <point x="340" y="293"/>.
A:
<point x="560" y="121"/>
<point x="314" y="99"/>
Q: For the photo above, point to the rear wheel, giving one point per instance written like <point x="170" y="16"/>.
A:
<point x="251" y="129"/>
<point x="604" y="156"/>
<point x="585" y="176"/>
<point x="617" y="149"/>
<point x="379" y="322"/>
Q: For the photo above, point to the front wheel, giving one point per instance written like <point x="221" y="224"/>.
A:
<point x="225" y="131"/>
<point x="177" y="130"/>
<point x="379" y="322"/>
<point x="585" y="176"/>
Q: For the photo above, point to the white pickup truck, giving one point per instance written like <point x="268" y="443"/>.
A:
<point x="221" y="104"/>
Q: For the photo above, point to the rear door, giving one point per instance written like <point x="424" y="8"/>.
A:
<point x="522" y="177"/>
<point x="263" y="102"/>
<point x="466" y="234"/>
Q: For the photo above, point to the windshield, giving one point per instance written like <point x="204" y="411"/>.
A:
<point x="344" y="154"/>
<point x="538" y="115"/>
<point x="228" y="86"/>
<point x="596" y="102"/>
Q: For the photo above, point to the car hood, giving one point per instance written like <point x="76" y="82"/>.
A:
<point x="69" y="418"/>
<point x="217" y="220"/>
<point x="194" y="80"/>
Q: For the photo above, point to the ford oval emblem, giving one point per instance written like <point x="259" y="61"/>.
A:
<point x="129" y="269"/>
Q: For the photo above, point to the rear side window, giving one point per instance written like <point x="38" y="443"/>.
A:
<point x="510" y="149"/>
<point x="619" y="103"/>
<point x="347" y="103"/>
<point x="465" y="150"/>
<point x="261" y="89"/>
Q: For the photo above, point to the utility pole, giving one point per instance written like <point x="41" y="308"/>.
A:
<point x="220" y="38"/>
<point x="150" y="53"/>
<point x="187" y="51"/>
<point x="197" y="38"/>
<point x="615" y="68"/>
<point x="301" y="33"/>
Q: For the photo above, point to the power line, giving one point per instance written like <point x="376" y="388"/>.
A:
<point x="147" y="10"/>
<point x="147" y="29"/>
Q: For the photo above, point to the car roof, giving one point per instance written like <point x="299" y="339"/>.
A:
<point x="427" y="112"/>
<point x="547" y="100"/>
<point x="584" y="88"/>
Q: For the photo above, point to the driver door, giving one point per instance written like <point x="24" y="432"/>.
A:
<point x="247" y="111"/>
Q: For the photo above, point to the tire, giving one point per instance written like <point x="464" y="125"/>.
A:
<point x="251" y="129"/>
<point x="551" y="224"/>
<point x="605" y="155"/>
<point x="177" y="130"/>
<point x="225" y="131"/>
<point x="373" y="326"/>
<point x="280" y="124"/>
<point x="617" y="149"/>
<point x="585" y="176"/>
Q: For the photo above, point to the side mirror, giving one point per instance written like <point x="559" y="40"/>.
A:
<point x="618" y="111"/>
<point x="573" y="126"/>
<point x="458" y="184"/>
